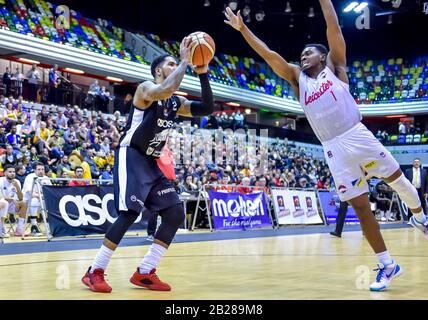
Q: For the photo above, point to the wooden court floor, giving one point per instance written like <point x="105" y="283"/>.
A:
<point x="312" y="266"/>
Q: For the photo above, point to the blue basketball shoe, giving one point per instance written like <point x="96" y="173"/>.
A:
<point x="420" y="226"/>
<point x="385" y="275"/>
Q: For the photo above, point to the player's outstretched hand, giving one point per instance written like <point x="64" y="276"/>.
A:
<point x="185" y="47"/>
<point x="234" y="20"/>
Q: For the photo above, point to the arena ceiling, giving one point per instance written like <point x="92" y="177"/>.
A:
<point x="393" y="31"/>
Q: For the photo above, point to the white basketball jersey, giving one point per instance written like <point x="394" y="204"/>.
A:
<point x="7" y="189"/>
<point x="329" y="106"/>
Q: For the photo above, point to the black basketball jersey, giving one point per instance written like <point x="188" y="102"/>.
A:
<point x="147" y="130"/>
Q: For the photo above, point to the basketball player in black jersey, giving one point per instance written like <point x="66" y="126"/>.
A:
<point x="138" y="180"/>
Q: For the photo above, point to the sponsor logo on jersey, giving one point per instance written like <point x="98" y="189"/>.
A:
<point x="383" y="154"/>
<point x="357" y="182"/>
<point x="166" y="111"/>
<point x="370" y="165"/>
<point x="162" y="123"/>
<point x="149" y="151"/>
<point x="329" y="154"/>
<point x="165" y="191"/>
<point x="342" y="188"/>
<point x="135" y="199"/>
<point x="317" y="94"/>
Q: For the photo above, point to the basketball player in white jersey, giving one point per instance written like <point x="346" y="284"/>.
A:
<point x="321" y="85"/>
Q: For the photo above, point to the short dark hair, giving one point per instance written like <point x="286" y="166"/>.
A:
<point x="78" y="167"/>
<point x="37" y="163"/>
<point x="320" y="47"/>
<point x="158" y="60"/>
<point x="8" y="166"/>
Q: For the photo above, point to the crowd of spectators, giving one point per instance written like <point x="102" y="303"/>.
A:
<point x="286" y="166"/>
<point x="51" y="135"/>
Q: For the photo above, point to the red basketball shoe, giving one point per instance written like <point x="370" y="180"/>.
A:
<point x="95" y="281"/>
<point x="150" y="281"/>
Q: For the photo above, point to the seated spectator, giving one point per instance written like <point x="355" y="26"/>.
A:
<point x="188" y="185"/>
<point x="69" y="146"/>
<point x="46" y="159"/>
<point x="3" y="138"/>
<point x="303" y="183"/>
<point x="106" y="174"/>
<point x="54" y="145"/>
<point x="9" y="157"/>
<point x="244" y="186"/>
<point x="223" y="185"/>
<point x="89" y="158"/>
<point x="32" y="196"/>
<point x="34" y="156"/>
<point x="24" y="130"/>
<point x="261" y="185"/>
<point x="10" y="115"/>
<point x="61" y="120"/>
<point x="96" y="145"/>
<point x="321" y="183"/>
<point x="246" y="171"/>
<point x="36" y="123"/>
<point x="63" y="165"/>
<point x="13" y="138"/>
<point x="79" y="175"/>
<point x="10" y="190"/>
<point x="50" y="173"/>
<point x="41" y="137"/>
<point x="105" y="146"/>
<point x="21" y="173"/>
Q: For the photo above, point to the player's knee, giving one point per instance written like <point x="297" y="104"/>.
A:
<point x="3" y="208"/>
<point x="172" y="218"/>
<point x="406" y="191"/>
<point x="361" y="204"/>
<point x="174" y="215"/>
<point x="118" y="229"/>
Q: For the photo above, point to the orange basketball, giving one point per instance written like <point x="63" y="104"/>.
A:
<point x="203" y="48"/>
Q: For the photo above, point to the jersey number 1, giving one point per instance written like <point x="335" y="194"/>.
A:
<point x="332" y="93"/>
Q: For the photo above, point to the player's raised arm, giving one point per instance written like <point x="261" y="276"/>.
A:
<point x="285" y="70"/>
<point x="148" y="91"/>
<point x="205" y="107"/>
<point x="335" y="39"/>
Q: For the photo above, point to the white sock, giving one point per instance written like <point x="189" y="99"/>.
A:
<point x="21" y="223"/>
<point x="102" y="259"/>
<point x="420" y="216"/>
<point x="152" y="258"/>
<point x="33" y="221"/>
<point x="384" y="258"/>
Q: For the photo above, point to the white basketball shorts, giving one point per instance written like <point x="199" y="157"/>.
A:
<point x="352" y="156"/>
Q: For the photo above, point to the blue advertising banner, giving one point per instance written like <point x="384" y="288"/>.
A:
<point x="85" y="210"/>
<point x="239" y="211"/>
<point x="330" y="205"/>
